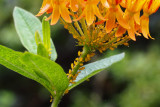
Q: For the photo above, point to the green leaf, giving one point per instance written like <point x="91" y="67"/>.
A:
<point x="26" y="25"/>
<point x="42" y="51"/>
<point x="46" y="33"/>
<point x="11" y="59"/>
<point x="37" y="38"/>
<point x="92" y="69"/>
<point x="48" y="69"/>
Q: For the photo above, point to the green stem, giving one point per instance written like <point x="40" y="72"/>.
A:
<point x="121" y="42"/>
<point x="71" y="29"/>
<point x="79" y="28"/>
<point x="84" y="27"/>
<point x="85" y="51"/>
<point x="56" y="100"/>
<point x="77" y="25"/>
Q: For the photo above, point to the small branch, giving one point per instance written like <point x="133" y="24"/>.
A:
<point x="83" y="56"/>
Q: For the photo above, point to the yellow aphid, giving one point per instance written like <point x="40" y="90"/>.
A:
<point x="66" y="92"/>
<point x="80" y="59"/>
<point x="126" y="44"/>
<point x="111" y="48"/>
<point x="72" y="66"/>
<point x="69" y="75"/>
<point x="74" y="78"/>
<point x="100" y="50"/>
<point x="79" y="53"/>
<point x="82" y="68"/>
<point x="88" y="55"/>
<point x="70" y="71"/>
<point x="51" y="99"/>
<point x="70" y="81"/>
<point x="81" y="64"/>
<point x="92" y="54"/>
<point x="77" y="59"/>
<point x="75" y="63"/>
<point x="66" y="26"/>
<point x="73" y="82"/>
<point x="87" y="58"/>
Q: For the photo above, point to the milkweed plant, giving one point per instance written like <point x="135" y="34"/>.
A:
<point x="96" y="25"/>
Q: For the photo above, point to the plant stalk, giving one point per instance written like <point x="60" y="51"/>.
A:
<point x="56" y="100"/>
<point x="85" y="51"/>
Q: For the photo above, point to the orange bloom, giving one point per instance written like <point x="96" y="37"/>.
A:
<point x="132" y="15"/>
<point x="57" y="8"/>
<point x="150" y="7"/>
<point x="73" y="5"/>
<point x="114" y="12"/>
<point x="108" y="3"/>
<point x="89" y="11"/>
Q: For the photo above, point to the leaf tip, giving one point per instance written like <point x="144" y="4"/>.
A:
<point x="123" y="55"/>
<point x="16" y="8"/>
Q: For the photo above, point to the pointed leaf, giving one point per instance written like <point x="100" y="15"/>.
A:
<point x="46" y="33"/>
<point x="50" y="70"/>
<point x="37" y="38"/>
<point x="26" y="25"/>
<point x="11" y="59"/>
<point x="92" y="69"/>
<point x="42" y="51"/>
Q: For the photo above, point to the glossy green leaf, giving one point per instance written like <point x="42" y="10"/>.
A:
<point x="48" y="69"/>
<point x="11" y="59"/>
<point x="26" y="25"/>
<point x="92" y="69"/>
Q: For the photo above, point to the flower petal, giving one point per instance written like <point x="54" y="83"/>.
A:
<point x="65" y="13"/>
<point x="145" y="26"/>
<point x="131" y="34"/>
<point x="89" y="15"/>
<point x="97" y="13"/>
<point x="55" y="15"/>
<point x="81" y="16"/>
<point x="121" y="20"/>
<point x="43" y="9"/>
<point x="74" y="5"/>
<point x="105" y="3"/>
<point x="137" y="18"/>
<point x="120" y="31"/>
<point x="110" y="21"/>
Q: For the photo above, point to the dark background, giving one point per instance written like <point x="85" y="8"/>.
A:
<point x="133" y="82"/>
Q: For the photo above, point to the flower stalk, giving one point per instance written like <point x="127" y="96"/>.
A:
<point x="82" y="57"/>
<point x="57" y="99"/>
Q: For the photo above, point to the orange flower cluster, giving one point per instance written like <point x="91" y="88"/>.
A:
<point x="124" y="15"/>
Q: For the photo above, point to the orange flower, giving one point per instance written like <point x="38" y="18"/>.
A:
<point x="150" y="7"/>
<point x="108" y="3"/>
<point x="89" y="11"/>
<point x="132" y="15"/>
<point x="114" y="12"/>
<point x="57" y="8"/>
<point x="73" y="5"/>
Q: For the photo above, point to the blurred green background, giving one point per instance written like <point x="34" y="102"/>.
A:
<point x="133" y="82"/>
